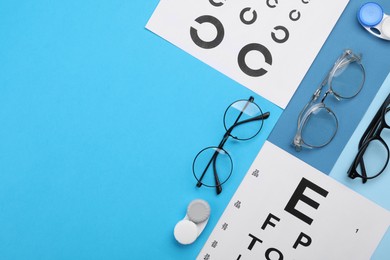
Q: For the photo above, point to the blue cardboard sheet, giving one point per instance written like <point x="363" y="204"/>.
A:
<point x="348" y="112"/>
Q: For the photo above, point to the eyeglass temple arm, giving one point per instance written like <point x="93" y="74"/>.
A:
<point x="218" y="186"/>
<point x="364" y="172"/>
<point x="370" y="132"/>
<point x="221" y="144"/>
<point x="213" y="160"/>
<point x="352" y="169"/>
<point x="359" y="160"/>
<point x="371" y="129"/>
<point x="260" y="117"/>
<point x="199" y="183"/>
<point x="375" y="129"/>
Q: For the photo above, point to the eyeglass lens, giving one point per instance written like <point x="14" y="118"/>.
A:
<point x="205" y="169"/>
<point x="243" y="110"/>
<point x="320" y="127"/>
<point x="347" y="79"/>
<point x="375" y="158"/>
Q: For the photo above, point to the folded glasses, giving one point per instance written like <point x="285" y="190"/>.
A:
<point x="213" y="165"/>
<point x="318" y="124"/>
<point x="373" y="155"/>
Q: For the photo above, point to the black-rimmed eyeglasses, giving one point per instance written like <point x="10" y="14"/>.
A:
<point x="213" y="165"/>
<point x="373" y="155"/>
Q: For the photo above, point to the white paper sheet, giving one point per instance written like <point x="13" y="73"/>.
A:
<point x="269" y="216"/>
<point x="267" y="45"/>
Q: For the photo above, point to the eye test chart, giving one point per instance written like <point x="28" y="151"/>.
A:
<point x="293" y="211"/>
<point x="267" y="46"/>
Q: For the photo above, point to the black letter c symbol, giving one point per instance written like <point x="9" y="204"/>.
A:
<point x="216" y="4"/>
<point x="211" y="44"/>
<point x="254" y="16"/>
<point x="253" y="47"/>
<point x="272" y="6"/>
<point x="286" y="34"/>
<point x="296" y="18"/>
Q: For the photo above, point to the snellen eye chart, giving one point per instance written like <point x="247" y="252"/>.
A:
<point x="293" y="211"/>
<point x="265" y="45"/>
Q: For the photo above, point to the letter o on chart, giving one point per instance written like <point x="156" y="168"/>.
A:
<point x="274" y="252"/>
<point x="280" y="40"/>
<point x="244" y="66"/>
<point x="242" y="18"/>
<point x="208" y="44"/>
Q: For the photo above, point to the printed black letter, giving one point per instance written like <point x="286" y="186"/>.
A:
<point x="299" y="196"/>
<point x="299" y="240"/>
<point x="267" y="221"/>
<point x="253" y="242"/>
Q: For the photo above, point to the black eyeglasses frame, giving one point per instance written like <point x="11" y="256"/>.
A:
<point x="218" y="184"/>
<point x="372" y="133"/>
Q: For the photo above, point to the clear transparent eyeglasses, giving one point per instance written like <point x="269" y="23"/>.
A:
<point x="373" y="155"/>
<point x="318" y="124"/>
<point x="213" y="165"/>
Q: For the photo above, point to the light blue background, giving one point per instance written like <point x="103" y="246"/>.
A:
<point x="100" y="120"/>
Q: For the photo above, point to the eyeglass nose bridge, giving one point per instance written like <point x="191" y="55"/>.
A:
<point x="329" y="92"/>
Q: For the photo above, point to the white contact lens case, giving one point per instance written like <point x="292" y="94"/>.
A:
<point x="187" y="230"/>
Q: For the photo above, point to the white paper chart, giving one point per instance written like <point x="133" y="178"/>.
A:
<point x="265" y="45"/>
<point x="290" y="210"/>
